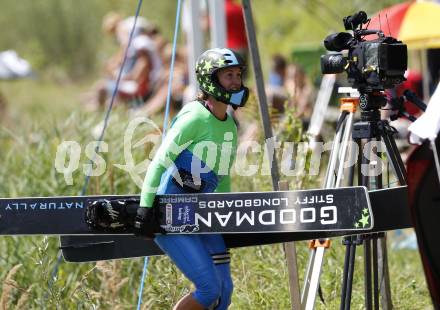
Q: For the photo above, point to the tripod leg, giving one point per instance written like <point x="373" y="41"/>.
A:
<point x="313" y="273"/>
<point x="353" y="160"/>
<point x="348" y="270"/>
<point x="348" y="242"/>
<point x="376" y="287"/>
<point x="316" y="256"/>
<point x="350" y="274"/>
<point x="363" y="179"/>
<point x="351" y="242"/>
<point x="367" y="272"/>
<point x="329" y="175"/>
<point x="384" y="275"/>
<point x="394" y="156"/>
<point x="383" y="271"/>
<point x="375" y="274"/>
<point x="309" y="270"/>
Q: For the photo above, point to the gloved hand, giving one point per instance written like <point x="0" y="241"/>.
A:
<point x="109" y="215"/>
<point x="146" y="223"/>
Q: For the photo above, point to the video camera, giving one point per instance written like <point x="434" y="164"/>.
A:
<point x="371" y="65"/>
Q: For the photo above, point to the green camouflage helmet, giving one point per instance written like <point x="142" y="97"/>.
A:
<point x="206" y="67"/>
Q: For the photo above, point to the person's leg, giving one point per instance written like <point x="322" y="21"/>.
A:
<point x="191" y="256"/>
<point x="188" y="302"/>
<point x="215" y="245"/>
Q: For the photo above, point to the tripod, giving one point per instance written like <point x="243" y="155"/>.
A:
<point x="369" y="129"/>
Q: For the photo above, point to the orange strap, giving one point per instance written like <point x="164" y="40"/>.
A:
<point x="349" y="104"/>
<point x="325" y="243"/>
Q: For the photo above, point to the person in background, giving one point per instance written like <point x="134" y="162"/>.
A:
<point x="157" y="101"/>
<point x="299" y="90"/>
<point x="277" y="74"/>
<point x="142" y="67"/>
<point x="276" y="90"/>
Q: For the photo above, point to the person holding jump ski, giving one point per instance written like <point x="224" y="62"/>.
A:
<point x="196" y="157"/>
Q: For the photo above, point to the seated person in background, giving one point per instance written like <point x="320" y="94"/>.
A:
<point x="161" y="43"/>
<point x="299" y="90"/>
<point x="277" y="74"/>
<point x="141" y="70"/>
<point x="157" y="101"/>
<point x="276" y="100"/>
<point x="276" y="90"/>
<point x="288" y="88"/>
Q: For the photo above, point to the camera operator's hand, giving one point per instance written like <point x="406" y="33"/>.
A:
<point x="146" y="223"/>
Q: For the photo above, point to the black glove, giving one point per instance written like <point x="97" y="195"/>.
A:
<point x="146" y="223"/>
<point x="110" y="215"/>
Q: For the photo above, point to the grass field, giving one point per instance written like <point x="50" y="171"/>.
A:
<point x="40" y="115"/>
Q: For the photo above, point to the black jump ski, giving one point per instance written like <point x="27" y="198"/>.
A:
<point x="290" y="211"/>
<point x="390" y="209"/>
<point x="65" y="215"/>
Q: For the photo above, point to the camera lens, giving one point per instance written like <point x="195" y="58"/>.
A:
<point x="333" y="63"/>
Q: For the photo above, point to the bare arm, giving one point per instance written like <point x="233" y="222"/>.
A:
<point x="141" y="68"/>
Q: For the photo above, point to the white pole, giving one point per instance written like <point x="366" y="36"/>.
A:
<point x="320" y="108"/>
<point x="218" y="22"/>
<point x="194" y="41"/>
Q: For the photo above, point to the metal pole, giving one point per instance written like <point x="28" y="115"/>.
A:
<point x="320" y="108"/>
<point x="194" y="39"/>
<point x="384" y="275"/>
<point x="218" y="24"/>
<point x="292" y="265"/>
<point x="261" y="94"/>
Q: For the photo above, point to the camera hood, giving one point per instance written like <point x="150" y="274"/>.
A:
<point x="338" y="41"/>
